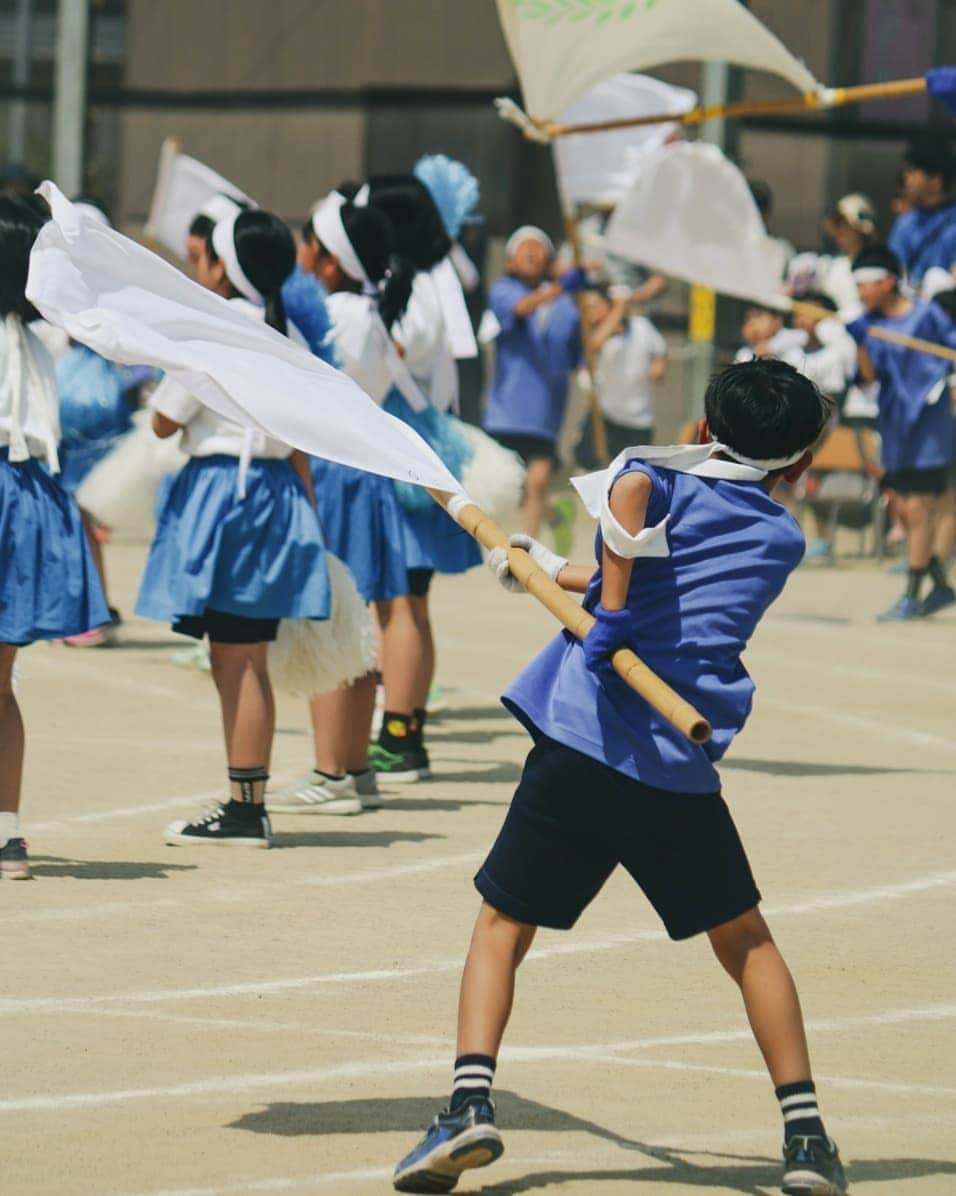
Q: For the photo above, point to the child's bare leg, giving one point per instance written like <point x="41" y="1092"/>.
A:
<point x="96" y="549"/>
<point x="11" y="738"/>
<point x="944" y="537"/>
<point x="917" y="512"/>
<point x="361" y="709"/>
<point x="537" y="489"/>
<point x="248" y="709"/>
<point x="750" y="956"/>
<point x="426" y="660"/>
<point x="330" y="730"/>
<point x="498" y="945"/>
<point x="401" y="647"/>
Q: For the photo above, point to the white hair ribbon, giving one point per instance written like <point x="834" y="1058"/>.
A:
<point x="329" y="228"/>
<point x="224" y="243"/>
<point x="458" y="330"/>
<point x="871" y="274"/>
<point x="220" y="207"/>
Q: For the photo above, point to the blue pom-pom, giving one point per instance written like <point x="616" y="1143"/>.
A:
<point x="453" y="187"/>
<point x="941" y="85"/>
<point x="304" y="299"/>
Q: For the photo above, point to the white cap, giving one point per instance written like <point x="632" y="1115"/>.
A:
<point x="529" y="232"/>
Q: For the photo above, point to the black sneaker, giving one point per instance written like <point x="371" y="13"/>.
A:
<point x="14" y="864"/>
<point x="410" y="764"/>
<point x="453" y="1143"/>
<point x="223" y="825"/>
<point x="812" y="1167"/>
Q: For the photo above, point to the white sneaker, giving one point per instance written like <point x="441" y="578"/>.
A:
<point x="316" y="794"/>
<point x="366" y="786"/>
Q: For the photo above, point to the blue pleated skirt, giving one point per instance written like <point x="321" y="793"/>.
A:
<point x="261" y="556"/>
<point x="362" y="522"/>
<point x="431" y="538"/>
<point x="49" y="587"/>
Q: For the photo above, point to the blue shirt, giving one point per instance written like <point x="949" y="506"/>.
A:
<point x="732" y="548"/>
<point x="535" y="357"/>
<point x="915" y="418"/>
<point x="924" y="237"/>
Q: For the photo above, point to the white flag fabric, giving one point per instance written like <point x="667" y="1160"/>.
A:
<point x="690" y="214"/>
<point x="561" y="48"/>
<point x="599" y="167"/>
<point x="183" y="185"/>
<point x="132" y="307"/>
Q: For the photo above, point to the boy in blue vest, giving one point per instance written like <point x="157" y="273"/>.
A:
<point x="691" y="551"/>
<point x="915" y="422"/>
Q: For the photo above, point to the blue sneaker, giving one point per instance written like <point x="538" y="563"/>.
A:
<point x="938" y="598"/>
<point x="817" y="550"/>
<point x="902" y="610"/>
<point x="812" y="1167"/>
<point x="453" y="1143"/>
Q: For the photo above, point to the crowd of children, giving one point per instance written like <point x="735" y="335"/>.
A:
<point x="250" y="530"/>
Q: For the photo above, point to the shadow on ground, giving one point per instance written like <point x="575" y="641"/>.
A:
<point x="745" y="1174"/>
<point x="433" y="804"/>
<point x="799" y="768"/>
<point x="472" y="714"/>
<point x="503" y="772"/>
<point x="349" y="838"/>
<point x="48" y="865"/>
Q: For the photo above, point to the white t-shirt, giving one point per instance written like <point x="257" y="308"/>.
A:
<point x="36" y="411"/>
<point x="366" y="351"/>
<point x="206" y="433"/>
<point x="422" y="334"/>
<point x="624" y="386"/>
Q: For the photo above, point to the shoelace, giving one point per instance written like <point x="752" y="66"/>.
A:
<point x="214" y="810"/>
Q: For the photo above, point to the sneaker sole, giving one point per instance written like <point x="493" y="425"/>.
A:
<point x="371" y="803"/>
<point x="175" y="839"/>
<point x="807" y="1184"/>
<point x="441" y="1170"/>
<point x="339" y="805"/>
<point x="16" y="873"/>
<point x="408" y="777"/>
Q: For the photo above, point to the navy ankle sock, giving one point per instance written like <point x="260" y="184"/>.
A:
<point x="937" y="571"/>
<point x="396" y="731"/>
<point x="914" y="583"/>
<point x="798" y="1104"/>
<point x="473" y="1077"/>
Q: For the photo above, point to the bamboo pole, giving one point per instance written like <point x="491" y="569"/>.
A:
<point x="590" y="357"/>
<point x="627" y="665"/>
<point x="881" y="334"/>
<point x="833" y="98"/>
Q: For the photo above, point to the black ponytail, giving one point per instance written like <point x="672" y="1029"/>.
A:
<point x="397" y="289"/>
<point x="373" y="239"/>
<point x="420" y="232"/>
<point x="266" y="253"/>
<point x="21" y="218"/>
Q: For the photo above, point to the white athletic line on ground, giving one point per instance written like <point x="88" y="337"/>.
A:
<point x="398" y="870"/>
<point x="825" y="902"/>
<point x="110" y="677"/>
<point x="599" y="1052"/>
<point x="875" y="726"/>
<point x="856" y="673"/>
<point x="96" y="816"/>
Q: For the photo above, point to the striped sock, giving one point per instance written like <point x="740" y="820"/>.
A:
<point x="473" y="1076"/>
<point x="798" y="1104"/>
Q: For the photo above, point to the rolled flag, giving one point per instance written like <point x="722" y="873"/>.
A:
<point x="690" y="214"/>
<point x="132" y="307"/>
<point x="599" y="168"/>
<point x="941" y="85"/>
<point x="184" y="186"/>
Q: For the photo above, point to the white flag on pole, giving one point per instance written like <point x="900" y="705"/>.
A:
<point x="599" y="167"/>
<point x="129" y="305"/>
<point x="183" y="186"/>
<point x="690" y="214"/>
<point x="561" y="48"/>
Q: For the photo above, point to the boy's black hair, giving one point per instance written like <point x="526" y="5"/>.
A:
<point x="934" y="155"/>
<point x="819" y="299"/>
<point x="878" y="257"/>
<point x="21" y="218"/>
<point x="201" y="226"/>
<point x="765" y="409"/>
<point x="767" y="308"/>
<point x="266" y="253"/>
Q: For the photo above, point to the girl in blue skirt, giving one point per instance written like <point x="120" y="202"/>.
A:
<point x="238" y="544"/>
<point x="49" y="587"/>
<point x="349" y="250"/>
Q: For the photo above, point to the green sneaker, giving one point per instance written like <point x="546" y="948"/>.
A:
<point x="562" y="525"/>
<point x="412" y="764"/>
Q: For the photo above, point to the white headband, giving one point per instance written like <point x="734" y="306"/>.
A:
<point x="220" y="207"/>
<point x="529" y="232"/>
<point x="768" y="464"/>
<point x="224" y="243"/>
<point x="329" y="228"/>
<point x="872" y="274"/>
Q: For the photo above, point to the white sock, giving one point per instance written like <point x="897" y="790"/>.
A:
<point x="9" y="827"/>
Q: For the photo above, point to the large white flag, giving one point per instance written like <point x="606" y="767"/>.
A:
<point x="561" y="48"/>
<point x="125" y="302"/>
<point x="690" y="214"/>
<point x="183" y="186"/>
<point x="599" y="167"/>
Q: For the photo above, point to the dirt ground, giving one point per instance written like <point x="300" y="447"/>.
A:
<point x="189" y="1022"/>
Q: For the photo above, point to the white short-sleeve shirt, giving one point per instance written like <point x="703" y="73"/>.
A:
<point x="624" y="385"/>
<point x="38" y="412"/>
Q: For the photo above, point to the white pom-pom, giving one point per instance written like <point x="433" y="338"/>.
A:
<point x="494" y="477"/>
<point x="315" y="656"/>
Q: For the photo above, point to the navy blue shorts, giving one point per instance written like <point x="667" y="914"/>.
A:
<point x="224" y="628"/>
<point x="574" y="819"/>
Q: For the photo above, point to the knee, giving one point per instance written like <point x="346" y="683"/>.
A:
<point x="734" y="941"/>
<point x="505" y="933"/>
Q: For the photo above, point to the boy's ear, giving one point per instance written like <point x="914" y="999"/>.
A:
<point x="799" y="468"/>
<point x="703" y="432"/>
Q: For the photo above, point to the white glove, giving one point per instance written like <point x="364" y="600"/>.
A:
<point x="543" y="557"/>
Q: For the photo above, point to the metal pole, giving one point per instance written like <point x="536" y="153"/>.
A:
<point x="69" y="94"/>
<point x="22" y="59"/>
